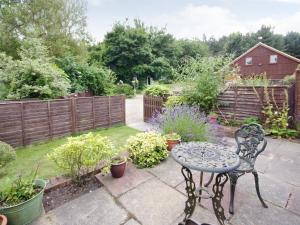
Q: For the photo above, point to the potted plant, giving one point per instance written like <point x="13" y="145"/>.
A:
<point x="212" y="118"/>
<point x="172" y="140"/>
<point x="3" y="220"/>
<point x="118" y="166"/>
<point x="22" y="202"/>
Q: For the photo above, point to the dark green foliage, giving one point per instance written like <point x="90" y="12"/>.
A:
<point x="292" y="43"/>
<point x="123" y="89"/>
<point x="20" y="191"/>
<point x="251" y="119"/>
<point x="83" y="77"/>
<point x="128" y="51"/>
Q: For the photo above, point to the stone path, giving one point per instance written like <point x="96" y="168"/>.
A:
<point x="135" y="113"/>
<point x="157" y="196"/>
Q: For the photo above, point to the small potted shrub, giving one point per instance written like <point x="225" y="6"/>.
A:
<point x="172" y="140"/>
<point x="212" y="118"/>
<point x="118" y="166"/>
<point x="22" y="202"/>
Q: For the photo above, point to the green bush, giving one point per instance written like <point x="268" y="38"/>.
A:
<point x="34" y="75"/>
<point x="82" y="153"/>
<point x="7" y="154"/>
<point x="251" y="119"/>
<point x="147" y="149"/>
<point x="84" y="77"/>
<point x="157" y="90"/>
<point x="123" y="89"/>
<point x="174" y="101"/>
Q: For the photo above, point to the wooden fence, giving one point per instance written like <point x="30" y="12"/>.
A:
<point x="297" y="96"/>
<point x="152" y="104"/>
<point x="238" y="103"/>
<point x="22" y="123"/>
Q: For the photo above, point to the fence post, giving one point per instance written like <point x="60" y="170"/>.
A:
<point x="297" y="96"/>
<point x="124" y="108"/>
<point x="109" y="111"/>
<point x="22" y="123"/>
<point x="73" y="113"/>
<point x="49" y="119"/>
<point x="93" y="109"/>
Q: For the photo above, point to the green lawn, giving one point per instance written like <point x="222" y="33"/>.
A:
<point x="28" y="158"/>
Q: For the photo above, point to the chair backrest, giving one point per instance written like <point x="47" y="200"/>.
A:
<point x="250" y="139"/>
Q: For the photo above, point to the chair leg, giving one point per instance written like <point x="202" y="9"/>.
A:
<point x="257" y="189"/>
<point x="233" y="181"/>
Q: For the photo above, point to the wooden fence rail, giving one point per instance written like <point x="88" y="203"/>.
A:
<point x="22" y="123"/>
<point x="238" y="103"/>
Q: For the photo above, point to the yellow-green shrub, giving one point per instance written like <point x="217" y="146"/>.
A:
<point x="82" y="152"/>
<point x="7" y="154"/>
<point x="147" y="149"/>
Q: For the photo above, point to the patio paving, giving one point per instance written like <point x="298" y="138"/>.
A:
<point x="157" y="196"/>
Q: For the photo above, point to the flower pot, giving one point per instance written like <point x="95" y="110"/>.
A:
<point x="26" y="212"/>
<point x="212" y="119"/>
<point x="117" y="169"/>
<point x="3" y="220"/>
<point x="171" y="144"/>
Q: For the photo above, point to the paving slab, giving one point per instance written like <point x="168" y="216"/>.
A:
<point x="97" y="207"/>
<point x="271" y="190"/>
<point x="253" y="213"/>
<point x="294" y="202"/>
<point x="154" y="203"/>
<point x="168" y="171"/>
<point x="132" y="178"/>
<point x="132" y="222"/>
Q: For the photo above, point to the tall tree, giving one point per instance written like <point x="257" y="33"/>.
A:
<point x="60" y="23"/>
<point x="128" y="50"/>
<point x="292" y="43"/>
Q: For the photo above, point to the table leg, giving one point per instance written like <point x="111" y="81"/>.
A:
<point x="190" y="204"/>
<point x="221" y="180"/>
<point x="200" y="185"/>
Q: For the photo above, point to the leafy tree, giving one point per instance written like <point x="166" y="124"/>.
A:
<point x="161" y="69"/>
<point x="84" y="77"/>
<point x="292" y="43"/>
<point x="191" y="48"/>
<point x="60" y="23"/>
<point x="34" y="75"/>
<point x="128" y="51"/>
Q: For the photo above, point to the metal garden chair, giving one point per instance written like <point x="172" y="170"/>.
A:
<point x="251" y="142"/>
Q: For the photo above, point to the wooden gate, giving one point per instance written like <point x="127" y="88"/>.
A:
<point x="152" y="104"/>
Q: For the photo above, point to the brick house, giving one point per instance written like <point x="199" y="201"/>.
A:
<point x="264" y="59"/>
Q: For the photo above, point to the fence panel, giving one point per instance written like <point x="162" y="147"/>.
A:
<point x="238" y="103"/>
<point x="22" y="123"/>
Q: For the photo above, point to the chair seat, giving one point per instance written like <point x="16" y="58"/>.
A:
<point x="245" y="166"/>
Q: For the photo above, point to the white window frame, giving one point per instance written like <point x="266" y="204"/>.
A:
<point x="247" y="63"/>
<point x="273" y="59"/>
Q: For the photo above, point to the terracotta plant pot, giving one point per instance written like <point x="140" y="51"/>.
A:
<point x="213" y="119"/>
<point x="117" y="169"/>
<point x="3" y="220"/>
<point x="171" y="144"/>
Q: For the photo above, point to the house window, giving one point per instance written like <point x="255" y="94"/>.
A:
<point x="248" y="61"/>
<point x="273" y="58"/>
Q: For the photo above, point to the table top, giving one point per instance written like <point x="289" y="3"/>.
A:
<point x="206" y="157"/>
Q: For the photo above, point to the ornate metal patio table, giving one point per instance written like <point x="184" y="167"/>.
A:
<point x="205" y="157"/>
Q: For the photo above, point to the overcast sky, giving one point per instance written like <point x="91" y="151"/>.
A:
<point x="193" y="18"/>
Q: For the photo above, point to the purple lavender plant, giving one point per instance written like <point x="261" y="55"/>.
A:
<point x="187" y="121"/>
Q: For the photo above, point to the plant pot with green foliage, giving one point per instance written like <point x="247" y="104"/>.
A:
<point x="118" y="166"/>
<point x="172" y="140"/>
<point x="212" y="118"/>
<point x="22" y="203"/>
